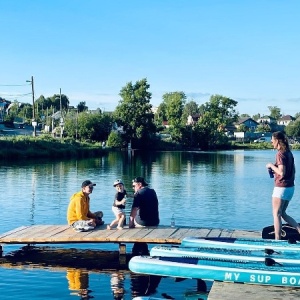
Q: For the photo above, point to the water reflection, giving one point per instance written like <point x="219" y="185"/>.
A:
<point x="144" y="285"/>
<point x="78" y="282"/>
<point x="117" y="285"/>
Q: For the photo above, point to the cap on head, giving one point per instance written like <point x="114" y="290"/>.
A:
<point x="86" y="183"/>
<point x="118" y="181"/>
<point x="140" y="180"/>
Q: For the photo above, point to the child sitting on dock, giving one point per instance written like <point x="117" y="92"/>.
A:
<point x="118" y="205"/>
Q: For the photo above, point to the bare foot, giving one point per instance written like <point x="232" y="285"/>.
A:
<point x="108" y="227"/>
<point x="120" y="228"/>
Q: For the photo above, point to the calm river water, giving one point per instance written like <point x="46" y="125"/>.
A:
<point x="229" y="189"/>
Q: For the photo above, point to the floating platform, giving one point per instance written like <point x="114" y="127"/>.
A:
<point x="64" y="234"/>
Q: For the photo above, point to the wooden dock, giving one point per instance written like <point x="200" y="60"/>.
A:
<point x="64" y="234"/>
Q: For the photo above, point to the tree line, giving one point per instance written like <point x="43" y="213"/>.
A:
<point x="135" y="122"/>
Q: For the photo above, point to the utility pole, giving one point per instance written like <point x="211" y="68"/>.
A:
<point x="61" y="116"/>
<point x="34" y="123"/>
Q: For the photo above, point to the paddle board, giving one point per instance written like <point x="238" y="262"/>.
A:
<point x="221" y="270"/>
<point x="287" y="232"/>
<point x="222" y="253"/>
<point x="187" y="296"/>
<point x="147" y="298"/>
<point x="241" y="243"/>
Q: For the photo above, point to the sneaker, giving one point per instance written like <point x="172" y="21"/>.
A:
<point x="83" y="229"/>
<point x="99" y="222"/>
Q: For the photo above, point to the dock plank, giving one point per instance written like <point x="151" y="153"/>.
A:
<point x="228" y="291"/>
<point x="24" y="234"/>
<point x="246" y="234"/>
<point x="226" y="233"/>
<point x="216" y="232"/>
<point x="11" y="232"/>
<point x="199" y="232"/>
<point x="128" y="234"/>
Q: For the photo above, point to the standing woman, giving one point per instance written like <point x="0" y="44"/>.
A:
<point x="284" y="176"/>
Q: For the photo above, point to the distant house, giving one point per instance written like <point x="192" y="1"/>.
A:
<point x="267" y="120"/>
<point x="192" y="119"/>
<point x="285" y="120"/>
<point x="247" y="122"/>
<point x="165" y="124"/>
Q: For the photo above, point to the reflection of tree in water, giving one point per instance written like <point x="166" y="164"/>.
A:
<point x="117" y="285"/>
<point x="78" y="283"/>
<point x="142" y="285"/>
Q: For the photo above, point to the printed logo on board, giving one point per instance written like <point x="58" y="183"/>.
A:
<point x="264" y="279"/>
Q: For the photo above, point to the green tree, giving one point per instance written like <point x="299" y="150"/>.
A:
<point x="160" y="115"/>
<point x="174" y="107"/>
<point x="274" y="112"/>
<point x="174" y="103"/>
<point x="244" y="116"/>
<point x="217" y="114"/>
<point x="243" y="128"/>
<point x="190" y="109"/>
<point x="87" y="126"/>
<point x="25" y="112"/>
<point x="256" y="117"/>
<point x="64" y="102"/>
<point x="297" y="115"/>
<point x="263" y="128"/>
<point x="12" y="111"/>
<point x="82" y="106"/>
<point x="114" y="140"/>
<point x="134" y="113"/>
<point x="293" y="129"/>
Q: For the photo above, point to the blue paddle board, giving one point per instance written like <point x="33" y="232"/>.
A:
<point x="223" y="253"/>
<point x="241" y="243"/>
<point x="268" y="273"/>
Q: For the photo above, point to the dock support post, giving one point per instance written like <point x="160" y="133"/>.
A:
<point x="122" y="249"/>
<point x="140" y="248"/>
<point x="201" y="285"/>
<point x="1" y="250"/>
<point x="122" y="254"/>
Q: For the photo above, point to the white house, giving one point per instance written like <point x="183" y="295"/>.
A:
<point x="285" y="120"/>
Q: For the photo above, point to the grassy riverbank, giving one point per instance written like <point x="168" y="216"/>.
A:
<point x="20" y="147"/>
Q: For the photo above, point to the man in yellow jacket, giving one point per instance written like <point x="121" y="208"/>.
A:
<point x="79" y="215"/>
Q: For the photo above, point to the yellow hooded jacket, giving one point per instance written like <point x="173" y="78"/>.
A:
<point x="79" y="208"/>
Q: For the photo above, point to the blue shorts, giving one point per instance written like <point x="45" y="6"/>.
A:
<point x="284" y="193"/>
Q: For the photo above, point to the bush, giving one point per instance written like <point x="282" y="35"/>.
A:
<point x="114" y="140"/>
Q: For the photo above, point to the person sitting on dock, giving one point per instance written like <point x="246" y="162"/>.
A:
<point x="79" y="215"/>
<point x="144" y="211"/>
<point x="118" y="205"/>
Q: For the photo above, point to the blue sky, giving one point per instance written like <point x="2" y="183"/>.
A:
<point x="248" y="50"/>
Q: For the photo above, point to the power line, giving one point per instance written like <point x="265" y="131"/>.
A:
<point x="17" y="95"/>
<point x="13" y="84"/>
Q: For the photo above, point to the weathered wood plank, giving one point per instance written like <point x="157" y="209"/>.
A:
<point x="128" y="234"/>
<point x="248" y="234"/>
<point x="140" y="234"/>
<point x="229" y="291"/>
<point x="161" y="233"/>
<point x="23" y="235"/>
<point x="11" y="232"/>
<point x="199" y="232"/>
<point x="215" y="232"/>
<point x="39" y="232"/>
<point x="226" y="233"/>
<point x="179" y="233"/>
<point x="54" y="232"/>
